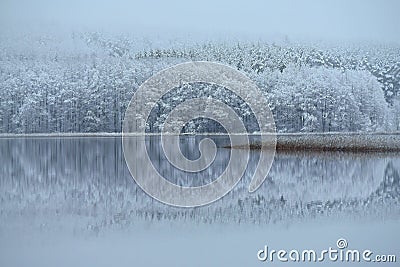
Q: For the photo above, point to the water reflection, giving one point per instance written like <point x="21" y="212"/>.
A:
<point x="87" y="179"/>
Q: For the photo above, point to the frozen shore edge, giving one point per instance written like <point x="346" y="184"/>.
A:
<point x="349" y="142"/>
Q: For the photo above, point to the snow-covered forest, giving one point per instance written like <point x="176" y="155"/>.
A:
<point x="84" y="82"/>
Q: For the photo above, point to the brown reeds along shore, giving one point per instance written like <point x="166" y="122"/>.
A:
<point x="352" y="142"/>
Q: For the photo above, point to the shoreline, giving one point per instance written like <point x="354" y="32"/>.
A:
<point x="346" y="142"/>
<point x="349" y="142"/>
<point x="62" y="134"/>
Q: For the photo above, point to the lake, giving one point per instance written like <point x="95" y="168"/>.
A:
<point x="71" y="201"/>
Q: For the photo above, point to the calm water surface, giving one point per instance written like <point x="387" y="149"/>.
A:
<point x="73" y="201"/>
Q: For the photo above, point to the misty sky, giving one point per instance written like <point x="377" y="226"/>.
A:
<point x="375" y="20"/>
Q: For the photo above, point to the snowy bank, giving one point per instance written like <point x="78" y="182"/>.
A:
<point x="363" y="142"/>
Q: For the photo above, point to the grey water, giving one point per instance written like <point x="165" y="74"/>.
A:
<point x="59" y="190"/>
